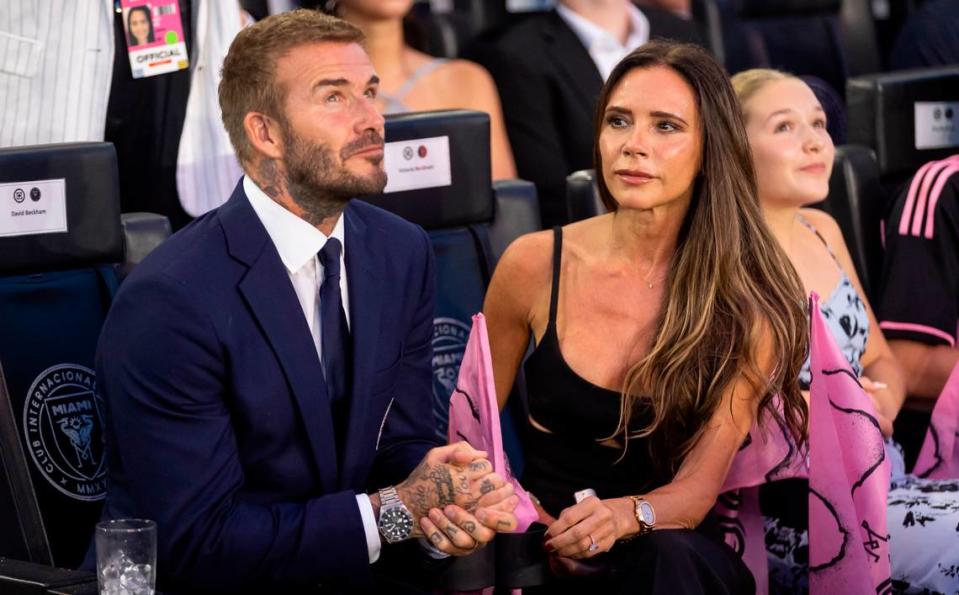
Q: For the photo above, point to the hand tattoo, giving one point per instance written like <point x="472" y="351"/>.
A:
<point x="437" y="485"/>
<point x="487" y="486"/>
<point x="478" y="466"/>
<point x="469" y="527"/>
<point x="436" y="538"/>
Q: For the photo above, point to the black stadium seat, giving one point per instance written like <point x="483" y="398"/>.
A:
<point x="55" y="289"/>
<point x="142" y="232"/>
<point x="857" y="201"/>
<point x="470" y="222"/>
<point x="582" y="197"/>
<point x="57" y="280"/>
<point x="884" y="109"/>
<point x="831" y="39"/>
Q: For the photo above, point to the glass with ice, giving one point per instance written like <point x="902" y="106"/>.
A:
<point x="126" y="556"/>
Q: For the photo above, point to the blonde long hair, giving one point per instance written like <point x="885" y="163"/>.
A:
<point x="728" y="281"/>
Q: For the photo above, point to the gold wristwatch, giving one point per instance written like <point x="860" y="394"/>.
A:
<point x="645" y="514"/>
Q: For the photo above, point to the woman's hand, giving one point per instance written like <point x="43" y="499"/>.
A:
<point x="880" y="397"/>
<point x="591" y="527"/>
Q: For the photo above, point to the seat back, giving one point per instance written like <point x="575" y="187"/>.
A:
<point x="56" y="283"/>
<point x="582" y="196"/>
<point x="831" y="39"/>
<point x="445" y="27"/>
<point x="439" y="178"/>
<point x="908" y="117"/>
<point x="857" y="201"/>
<point x="142" y="233"/>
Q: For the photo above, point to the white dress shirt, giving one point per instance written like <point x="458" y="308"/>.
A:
<point x="298" y="243"/>
<point x="605" y="50"/>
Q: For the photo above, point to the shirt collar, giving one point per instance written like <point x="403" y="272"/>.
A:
<point x="591" y="34"/>
<point x="296" y="240"/>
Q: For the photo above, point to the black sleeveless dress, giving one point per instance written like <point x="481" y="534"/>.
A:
<point x="570" y="458"/>
<point x="579" y="415"/>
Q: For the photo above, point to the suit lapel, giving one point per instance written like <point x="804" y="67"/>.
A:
<point x="572" y="59"/>
<point x="363" y="259"/>
<point x="267" y="290"/>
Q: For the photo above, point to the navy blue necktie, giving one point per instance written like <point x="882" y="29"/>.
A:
<point x="335" y="335"/>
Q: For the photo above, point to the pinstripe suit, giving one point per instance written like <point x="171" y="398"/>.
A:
<point x="56" y="60"/>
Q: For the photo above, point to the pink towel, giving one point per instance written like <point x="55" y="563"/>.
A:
<point x="848" y="478"/>
<point x="939" y="457"/>
<point x="474" y="414"/>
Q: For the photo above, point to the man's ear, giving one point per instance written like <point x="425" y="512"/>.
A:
<point x="264" y="134"/>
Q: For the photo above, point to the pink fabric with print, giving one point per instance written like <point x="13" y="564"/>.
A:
<point x="939" y="457"/>
<point x="474" y="414"/>
<point x="848" y="481"/>
<point x="849" y="476"/>
<point x="768" y="455"/>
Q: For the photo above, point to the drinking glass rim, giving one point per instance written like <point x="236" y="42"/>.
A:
<point x="126" y="525"/>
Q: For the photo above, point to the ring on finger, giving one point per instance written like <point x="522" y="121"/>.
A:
<point x="593" y="546"/>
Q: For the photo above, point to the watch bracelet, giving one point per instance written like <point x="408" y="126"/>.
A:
<point x="644" y="528"/>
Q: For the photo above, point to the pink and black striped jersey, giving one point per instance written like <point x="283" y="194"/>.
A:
<point x="920" y="294"/>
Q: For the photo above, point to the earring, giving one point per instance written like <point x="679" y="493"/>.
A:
<point x="330" y="7"/>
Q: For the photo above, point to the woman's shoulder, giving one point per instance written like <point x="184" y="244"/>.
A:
<point x="827" y="227"/>
<point x="466" y="72"/>
<point x="463" y="81"/>
<point x="822" y="221"/>
<point x="528" y="255"/>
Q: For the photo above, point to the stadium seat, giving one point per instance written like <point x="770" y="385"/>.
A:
<point x="831" y="39"/>
<point x="57" y="278"/>
<point x="582" y="197"/>
<point x="445" y="28"/>
<point x="470" y="223"/>
<point x="856" y="200"/>
<point x="884" y="109"/>
<point x="142" y="232"/>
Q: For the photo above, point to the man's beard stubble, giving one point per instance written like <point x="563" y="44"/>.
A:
<point x="321" y="186"/>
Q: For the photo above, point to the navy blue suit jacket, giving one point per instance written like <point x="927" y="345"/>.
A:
<point x="218" y="421"/>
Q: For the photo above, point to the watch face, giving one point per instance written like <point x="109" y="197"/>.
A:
<point x="396" y="524"/>
<point x="646" y="511"/>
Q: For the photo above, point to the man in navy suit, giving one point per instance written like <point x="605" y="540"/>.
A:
<point x="266" y="371"/>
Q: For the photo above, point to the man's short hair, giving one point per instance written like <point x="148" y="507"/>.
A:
<point x="248" y="82"/>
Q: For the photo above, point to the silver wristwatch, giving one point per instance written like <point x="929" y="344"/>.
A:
<point x="396" y="520"/>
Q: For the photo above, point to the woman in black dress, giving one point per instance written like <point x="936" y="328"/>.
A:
<point x="661" y="328"/>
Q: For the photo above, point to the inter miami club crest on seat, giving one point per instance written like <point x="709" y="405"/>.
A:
<point x="449" y="343"/>
<point x="63" y="429"/>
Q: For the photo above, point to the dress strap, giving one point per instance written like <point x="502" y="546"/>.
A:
<point x="419" y="73"/>
<point x="557" y="261"/>
<point x="813" y="229"/>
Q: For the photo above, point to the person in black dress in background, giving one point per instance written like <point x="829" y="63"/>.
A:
<point x="661" y="328"/>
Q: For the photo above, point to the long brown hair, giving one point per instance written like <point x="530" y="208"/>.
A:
<point x="729" y="280"/>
